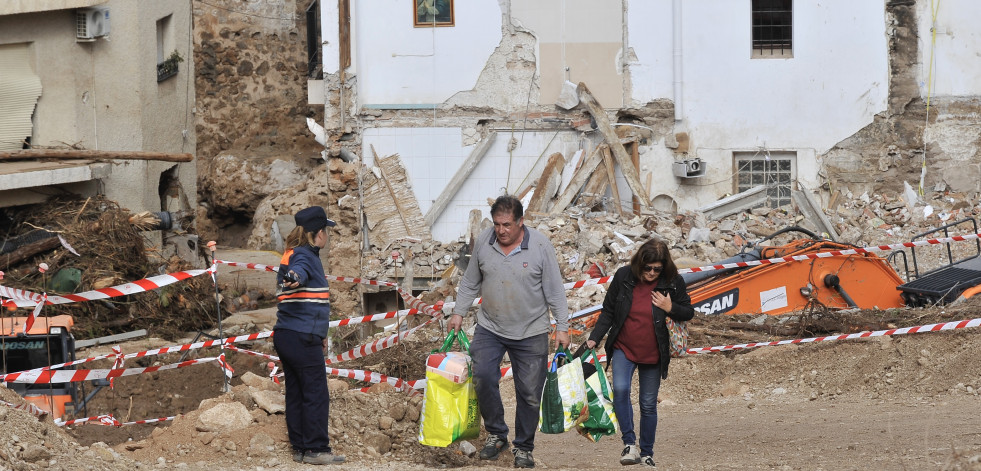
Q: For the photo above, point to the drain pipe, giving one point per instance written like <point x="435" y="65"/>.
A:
<point x="678" y="84"/>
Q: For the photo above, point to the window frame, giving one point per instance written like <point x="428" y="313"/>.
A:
<point x="778" y="193"/>
<point x="779" y="46"/>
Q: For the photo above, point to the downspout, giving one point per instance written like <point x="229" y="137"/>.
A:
<point x="678" y="83"/>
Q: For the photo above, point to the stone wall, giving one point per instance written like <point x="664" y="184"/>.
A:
<point x="251" y="64"/>
<point x="895" y="147"/>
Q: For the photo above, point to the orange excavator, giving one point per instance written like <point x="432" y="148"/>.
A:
<point x="48" y="342"/>
<point x="861" y="280"/>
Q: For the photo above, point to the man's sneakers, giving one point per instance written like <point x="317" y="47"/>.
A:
<point x="298" y="456"/>
<point x="630" y="455"/>
<point x="523" y="459"/>
<point x="323" y="457"/>
<point x="648" y="462"/>
<point x="492" y="447"/>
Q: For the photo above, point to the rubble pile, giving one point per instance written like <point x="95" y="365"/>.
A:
<point x="247" y="426"/>
<point x="28" y="444"/>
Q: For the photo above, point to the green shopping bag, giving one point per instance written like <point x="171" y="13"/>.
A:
<point x="563" y="403"/>
<point x="602" y="420"/>
<point x="449" y="407"/>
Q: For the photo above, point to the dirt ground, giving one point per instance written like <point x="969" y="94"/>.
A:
<point x="902" y="402"/>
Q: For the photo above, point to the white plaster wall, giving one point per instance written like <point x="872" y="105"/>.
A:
<point x="833" y="86"/>
<point x="432" y="156"/>
<point x="649" y="35"/>
<point x="957" y="70"/>
<point x="398" y="64"/>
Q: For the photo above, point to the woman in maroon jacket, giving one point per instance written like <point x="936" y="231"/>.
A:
<point x="640" y="296"/>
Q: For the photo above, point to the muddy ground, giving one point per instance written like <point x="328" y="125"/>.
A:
<point x="903" y="402"/>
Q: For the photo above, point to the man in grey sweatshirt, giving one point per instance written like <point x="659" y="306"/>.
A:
<point x="515" y="270"/>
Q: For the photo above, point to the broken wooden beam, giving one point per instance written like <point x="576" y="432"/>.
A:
<point x="548" y="184"/>
<point x="31" y="154"/>
<point x="619" y="153"/>
<point x="578" y="180"/>
<point x="457" y="181"/>
<point x="611" y="177"/>
<point x="29" y="250"/>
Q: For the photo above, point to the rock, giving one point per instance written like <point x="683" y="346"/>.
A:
<point x="242" y="395"/>
<point x="379" y="388"/>
<point x="224" y="417"/>
<point x="33" y="453"/>
<point x="259" y="382"/>
<point x="336" y="386"/>
<point x="270" y="401"/>
<point x="206" y="437"/>
<point x="261" y="446"/>
<point x="379" y="442"/>
<point x="397" y="411"/>
<point x="385" y="422"/>
<point x="467" y="449"/>
<point x="412" y="414"/>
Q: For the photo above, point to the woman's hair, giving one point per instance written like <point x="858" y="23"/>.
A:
<point x="299" y="236"/>
<point x="653" y="250"/>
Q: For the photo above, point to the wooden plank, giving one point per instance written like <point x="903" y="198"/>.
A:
<point x="611" y="177"/>
<point x="619" y="153"/>
<point x="457" y="181"/>
<point x="635" y="157"/>
<point x="578" y="179"/>
<point x="93" y="155"/>
<point x="344" y="34"/>
<point x="548" y="183"/>
<point x="595" y="189"/>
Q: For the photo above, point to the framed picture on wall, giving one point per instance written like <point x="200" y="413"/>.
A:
<point x="430" y="13"/>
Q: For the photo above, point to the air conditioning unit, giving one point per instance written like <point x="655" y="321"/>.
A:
<point x="91" y="23"/>
<point x="689" y="168"/>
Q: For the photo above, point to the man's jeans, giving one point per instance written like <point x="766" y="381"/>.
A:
<point x="528" y="361"/>
<point x="649" y="377"/>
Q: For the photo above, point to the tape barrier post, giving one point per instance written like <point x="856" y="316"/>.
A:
<point x="226" y="373"/>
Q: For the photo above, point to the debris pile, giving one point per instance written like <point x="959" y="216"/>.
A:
<point x="90" y="244"/>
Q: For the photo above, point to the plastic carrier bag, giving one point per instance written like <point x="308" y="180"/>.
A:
<point x="602" y="420"/>
<point x="564" y="396"/>
<point x="449" y="407"/>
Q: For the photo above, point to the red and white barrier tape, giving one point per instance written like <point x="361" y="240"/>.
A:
<point x="150" y="421"/>
<point x="250" y="352"/>
<point x="161" y="351"/>
<point x="134" y="287"/>
<point x="26" y="406"/>
<point x="859" y="335"/>
<point x="372" y="377"/>
<point x="34" y="313"/>
<point x="109" y="420"/>
<point x="375" y="346"/>
<point x="74" y="376"/>
<point x="374" y="317"/>
<point x="106" y="419"/>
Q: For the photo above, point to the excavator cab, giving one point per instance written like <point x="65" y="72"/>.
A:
<point x="48" y="342"/>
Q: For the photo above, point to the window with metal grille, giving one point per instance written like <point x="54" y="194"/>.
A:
<point x="776" y="170"/>
<point x="773" y="22"/>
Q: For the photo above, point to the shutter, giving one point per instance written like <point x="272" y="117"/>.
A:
<point x="20" y="89"/>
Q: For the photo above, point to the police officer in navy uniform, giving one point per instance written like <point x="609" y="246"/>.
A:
<point x="300" y="337"/>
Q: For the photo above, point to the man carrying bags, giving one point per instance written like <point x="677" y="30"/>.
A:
<point x="515" y="270"/>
